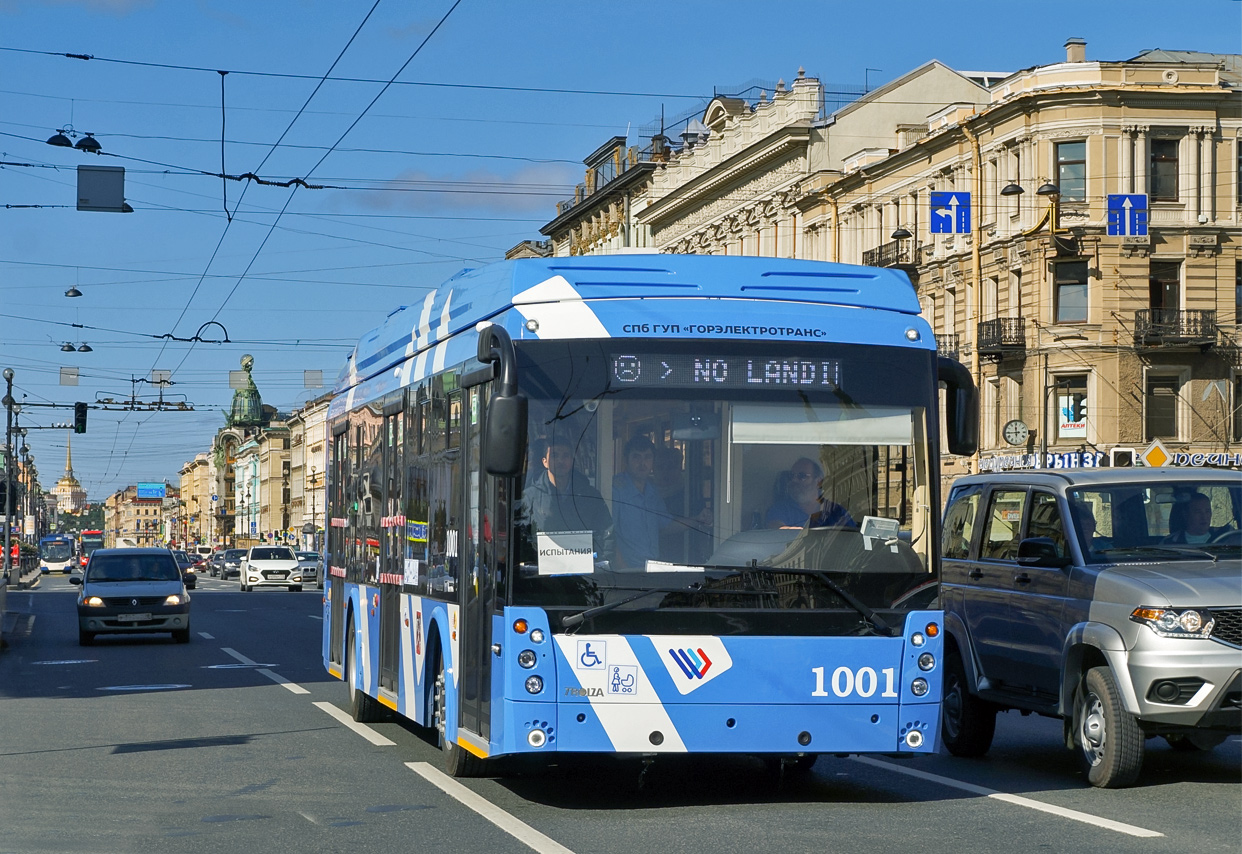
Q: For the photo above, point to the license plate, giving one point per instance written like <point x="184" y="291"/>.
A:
<point x="132" y="618"/>
<point x="277" y="574"/>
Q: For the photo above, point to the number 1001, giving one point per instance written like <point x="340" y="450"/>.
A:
<point x="864" y="682"/>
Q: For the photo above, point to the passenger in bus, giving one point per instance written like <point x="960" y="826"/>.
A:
<point x="560" y="498"/>
<point x="803" y="501"/>
<point x="639" y="508"/>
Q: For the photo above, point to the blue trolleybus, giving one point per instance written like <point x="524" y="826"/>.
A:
<point x="643" y="505"/>
<point x="57" y="553"/>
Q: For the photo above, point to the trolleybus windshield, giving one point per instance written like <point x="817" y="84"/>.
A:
<point x="748" y="488"/>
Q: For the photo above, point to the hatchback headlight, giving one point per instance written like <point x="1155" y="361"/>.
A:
<point x="1172" y="623"/>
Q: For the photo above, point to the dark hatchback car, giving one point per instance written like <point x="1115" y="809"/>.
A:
<point x="188" y="567"/>
<point x="230" y="564"/>
<point x="132" y="591"/>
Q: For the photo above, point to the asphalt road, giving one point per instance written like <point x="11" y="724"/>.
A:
<point x="238" y="741"/>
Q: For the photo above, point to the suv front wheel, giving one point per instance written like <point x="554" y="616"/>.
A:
<point x="968" y="723"/>
<point x="1109" y="739"/>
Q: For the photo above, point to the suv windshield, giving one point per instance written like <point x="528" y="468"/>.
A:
<point x="1170" y="521"/>
<point x="234" y="554"/>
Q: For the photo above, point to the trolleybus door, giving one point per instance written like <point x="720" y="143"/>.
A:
<point x="335" y="498"/>
<point x="478" y="568"/>
<point x="392" y="530"/>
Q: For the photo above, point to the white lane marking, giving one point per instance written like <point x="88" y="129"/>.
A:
<point x="238" y="656"/>
<point x="283" y="682"/>
<point x="1017" y="800"/>
<point x="206" y="636"/>
<point x="314" y="617"/>
<point x="520" y="831"/>
<point x="362" y="729"/>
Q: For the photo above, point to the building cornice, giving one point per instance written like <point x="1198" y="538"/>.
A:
<point x="610" y="192"/>
<point x="703" y="188"/>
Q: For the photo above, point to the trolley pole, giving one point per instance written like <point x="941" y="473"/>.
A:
<point x="8" y="477"/>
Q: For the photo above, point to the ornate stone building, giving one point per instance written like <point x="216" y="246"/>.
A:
<point x="70" y="496"/>
<point x="1083" y="342"/>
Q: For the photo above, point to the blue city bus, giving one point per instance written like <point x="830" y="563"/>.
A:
<point x="57" y="553"/>
<point x="639" y="505"/>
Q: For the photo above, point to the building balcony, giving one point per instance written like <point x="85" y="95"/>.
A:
<point x="903" y="254"/>
<point x="1171" y="327"/>
<point x="949" y="344"/>
<point x="1003" y="336"/>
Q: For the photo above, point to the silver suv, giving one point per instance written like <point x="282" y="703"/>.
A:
<point x="1111" y="598"/>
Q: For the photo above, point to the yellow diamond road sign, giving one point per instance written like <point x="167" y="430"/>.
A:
<point x="1155" y="455"/>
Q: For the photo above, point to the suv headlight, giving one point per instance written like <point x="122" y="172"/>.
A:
<point x="1172" y="623"/>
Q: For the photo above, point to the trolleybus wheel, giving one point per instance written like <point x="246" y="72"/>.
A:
<point x="362" y="706"/>
<point x="457" y="761"/>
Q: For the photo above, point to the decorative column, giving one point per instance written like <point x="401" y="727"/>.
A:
<point x="1142" y="158"/>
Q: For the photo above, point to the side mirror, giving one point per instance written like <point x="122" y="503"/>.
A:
<point x="962" y="401"/>
<point x="504" y="434"/>
<point x="504" y="439"/>
<point x="1040" y="551"/>
<point x="73" y="579"/>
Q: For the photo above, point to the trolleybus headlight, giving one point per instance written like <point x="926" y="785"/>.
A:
<point x="914" y="738"/>
<point x="534" y="685"/>
<point x="927" y="661"/>
<point x="526" y="658"/>
<point x="536" y="635"/>
<point x="519" y="626"/>
<point x="917" y="639"/>
<point x="919" y="687"/>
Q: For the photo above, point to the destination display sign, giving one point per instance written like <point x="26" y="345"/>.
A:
<point x="688" y="371"/>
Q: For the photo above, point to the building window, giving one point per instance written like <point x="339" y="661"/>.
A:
<point x="1161" y="406"/>
<point x="1237" y="408"/>
<point x="1071" y="408"/>
<point x="1072" y="171"/>
<point x="1237" y="292"/>
<point x="1164" y="170"/>
<point x="1070" y="299"/>
<point x="1165" y="285"/>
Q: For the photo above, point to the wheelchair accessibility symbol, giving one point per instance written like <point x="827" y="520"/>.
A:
<point x="591" y="655"/>
<point x="623" y="679"/>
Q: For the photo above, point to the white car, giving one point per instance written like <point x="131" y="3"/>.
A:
<point x="270" y="566"/>
<point x="309" y="562"/>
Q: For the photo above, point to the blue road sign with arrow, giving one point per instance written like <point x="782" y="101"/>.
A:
<point x="950" y="213"/>
<point x="1127" y="214"/>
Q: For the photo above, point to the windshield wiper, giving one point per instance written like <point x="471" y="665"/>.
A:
<point x="1171" y="547"/>
<point x="571" y="620"/>
<point x="874" y="619"/>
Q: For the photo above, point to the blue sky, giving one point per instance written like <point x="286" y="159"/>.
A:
<point x="434" y="177"/>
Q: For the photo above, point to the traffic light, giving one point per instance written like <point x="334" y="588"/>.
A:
<point x="1080" y="408"/>
<point x="79" y="417"/>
